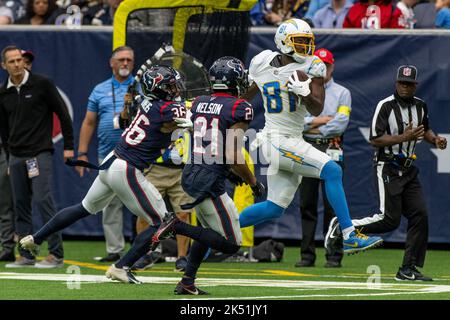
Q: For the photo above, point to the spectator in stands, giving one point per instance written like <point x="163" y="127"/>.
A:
<point x="425" y="14"/>
<point x="298" y="9"/>
<point x="27" y="102"/>
<point x="104" y="107"/>
<point x="405" y="7"/>
<point x="278" y="11"/>
<point x="101" y="13"/>
<point x="443" y="14"/>
<point x="314" y="6"/>
<point x="258" y="12"/>
<point x="6" y="14"/>
<point x="39" y="12"/>
<point x="374" y="14"/>
<point x="332" y="15"/>
<point x="17" y="8"/>
<point x="324" y="132"/>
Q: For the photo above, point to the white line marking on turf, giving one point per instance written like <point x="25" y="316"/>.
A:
<point x="293" y="284"/>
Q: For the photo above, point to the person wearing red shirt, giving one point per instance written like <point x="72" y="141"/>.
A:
<point x="374" y="14"/>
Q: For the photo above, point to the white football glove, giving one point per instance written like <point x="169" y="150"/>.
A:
<point x="300" y="88"/>
<point x="184" y="123"/>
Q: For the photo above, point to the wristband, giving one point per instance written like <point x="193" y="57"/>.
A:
<point x="80" y="154"/>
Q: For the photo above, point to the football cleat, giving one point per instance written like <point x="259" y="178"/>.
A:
<point x="27" y="243"/>
<point x="164" y="231"/>
<point x="357" y="242"/>
<point x="123" y="275"/>
<point x="182" y="289"/>
<point x="410" y="274"/>
<point x="333" y="233"/>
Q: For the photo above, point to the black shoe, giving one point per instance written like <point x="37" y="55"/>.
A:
<point x="410" y="274"/>
<point x="164" y="231"/>
<point x="7" y="255"/>
<point x="111" y="257"/>
<point x="145" y="262"/>
<point x="333" y="264"/>
<point x="188" y="290"/>
<point x="333" y="235"/>
<point x="180" y="264"/>
<point x="304" y="264"/>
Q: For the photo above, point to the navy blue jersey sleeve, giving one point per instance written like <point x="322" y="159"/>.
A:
<point x="242" y="111"/>
<point x="172" y="110"/>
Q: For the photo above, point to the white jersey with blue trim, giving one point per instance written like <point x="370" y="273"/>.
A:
<point x="284" y="112"/>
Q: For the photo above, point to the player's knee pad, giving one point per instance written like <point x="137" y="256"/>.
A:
<point x="331" y="171"/>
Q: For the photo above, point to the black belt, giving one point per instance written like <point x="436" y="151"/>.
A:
<point x="317" y="140"/>
<point x="401" y="162"/>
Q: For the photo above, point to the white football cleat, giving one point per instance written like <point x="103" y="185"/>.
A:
<point x="123" y="275"/>
<point x="27" y="243"/>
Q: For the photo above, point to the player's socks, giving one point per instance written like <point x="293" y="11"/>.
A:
<point x="195" y="258"/>
<point x="260" y="212"/>
<point x="207" y="237"/>
<point x="141" y="246"/>
<point x="332" y="175"/>
<point x="61" y="220"/>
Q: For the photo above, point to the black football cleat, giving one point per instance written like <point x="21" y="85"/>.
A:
<point x="164" y="231"/>
<point x="182" y="289"/>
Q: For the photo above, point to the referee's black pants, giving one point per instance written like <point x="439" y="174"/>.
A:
<point x="400" y="194"/>
<point x="309" y="195"/>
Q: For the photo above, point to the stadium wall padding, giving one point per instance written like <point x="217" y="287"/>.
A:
<point x="366" y="64"/>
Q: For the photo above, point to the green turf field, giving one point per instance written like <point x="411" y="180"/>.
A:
<point x="356" y="280"/>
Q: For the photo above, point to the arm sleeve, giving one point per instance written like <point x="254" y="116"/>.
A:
<point x="337" y="125"/>
<point x="242" y="111"/>
<point x="379" y="122"/>
<point x="173" y="110"/>
<point x="57" y="105"/>
<point x="93" y="101"/>
<point x="317" y="69"/>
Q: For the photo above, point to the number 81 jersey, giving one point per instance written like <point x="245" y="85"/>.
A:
<point x="284" y="111"/>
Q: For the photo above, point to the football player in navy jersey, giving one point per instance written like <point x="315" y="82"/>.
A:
<point x="219" y="122"/>
<point x="121" y="175"/>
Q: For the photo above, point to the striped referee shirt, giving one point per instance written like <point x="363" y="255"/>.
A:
<point x="392" y="115"/>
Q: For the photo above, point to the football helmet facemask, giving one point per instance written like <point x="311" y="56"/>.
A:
<point x="295" y="38"/>
<point x="161" y="82"/>
<point x="228" y="73"/>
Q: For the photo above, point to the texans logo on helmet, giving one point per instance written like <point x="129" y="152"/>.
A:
<point x="153" y="81"/>
<point x="236" y="66"/>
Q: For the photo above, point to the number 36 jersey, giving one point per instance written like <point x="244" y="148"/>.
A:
<point x="284" y="111"/>
<point x="143" y="141"/>
<point x="212" y="116"/>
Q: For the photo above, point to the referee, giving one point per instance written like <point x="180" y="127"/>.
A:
<point x="401" y="121"/>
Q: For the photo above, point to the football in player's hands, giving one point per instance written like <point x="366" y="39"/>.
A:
<point x="298" y="83"/>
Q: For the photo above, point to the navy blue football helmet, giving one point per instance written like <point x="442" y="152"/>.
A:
<point x="228" y="74"/>
<point x="161" y="82"/>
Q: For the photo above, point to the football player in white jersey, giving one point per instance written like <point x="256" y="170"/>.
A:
<point x="290" y="83"/>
